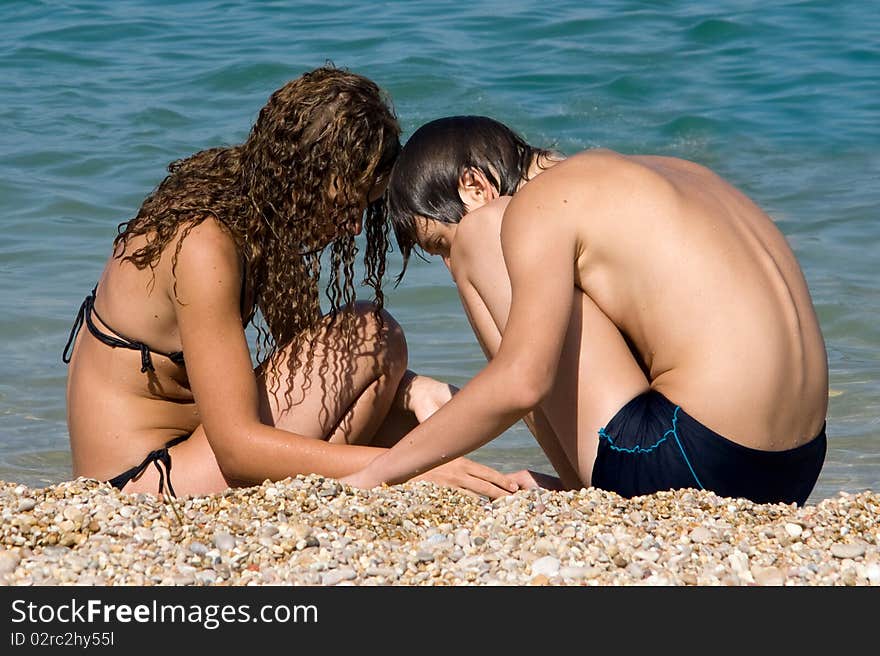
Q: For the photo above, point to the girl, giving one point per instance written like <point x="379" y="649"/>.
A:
<point x="163" y="372"/>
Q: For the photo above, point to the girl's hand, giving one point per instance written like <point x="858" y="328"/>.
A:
<point x="423" y="395"/>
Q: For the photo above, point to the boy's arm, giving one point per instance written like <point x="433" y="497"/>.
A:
<point x="538" y="240"/>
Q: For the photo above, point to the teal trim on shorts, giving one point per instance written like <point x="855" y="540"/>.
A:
<point x="640" y="450"/>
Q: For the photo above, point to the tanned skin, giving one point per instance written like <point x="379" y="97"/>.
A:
<point x="607" y="275"/>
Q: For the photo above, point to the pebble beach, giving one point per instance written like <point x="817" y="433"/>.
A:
<point x="313" y="531"/>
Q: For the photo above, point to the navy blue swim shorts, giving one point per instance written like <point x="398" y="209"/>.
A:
<point x="652" y="444"/>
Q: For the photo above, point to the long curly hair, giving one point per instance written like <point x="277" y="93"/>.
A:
<point x="296" y="186"/>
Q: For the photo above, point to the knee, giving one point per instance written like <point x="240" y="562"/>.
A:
<point x="382" y="331"/>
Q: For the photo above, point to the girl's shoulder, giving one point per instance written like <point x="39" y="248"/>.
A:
<point x="208" y="239"/>
<point x="205" y="249"/>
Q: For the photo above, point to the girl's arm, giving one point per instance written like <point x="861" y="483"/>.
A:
<point x="222" y="378"/>
<point x="224" y="385"/>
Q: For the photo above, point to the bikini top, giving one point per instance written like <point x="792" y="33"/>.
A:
<point x="117" y="339"/>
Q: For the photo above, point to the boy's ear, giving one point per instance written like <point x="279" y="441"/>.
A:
<point x="474" y="187"/>
<point x="468" y="178"/>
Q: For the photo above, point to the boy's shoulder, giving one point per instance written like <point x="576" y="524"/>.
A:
<point x="481" y="224"/>
<point x="475" y="230"/>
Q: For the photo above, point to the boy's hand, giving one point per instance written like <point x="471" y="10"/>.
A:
<point x="471" y="478"/>
<point x="461" y="474"/>
<point x="530" y="480"/>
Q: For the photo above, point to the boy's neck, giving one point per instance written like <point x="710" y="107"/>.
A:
<point x="541" y="163"/>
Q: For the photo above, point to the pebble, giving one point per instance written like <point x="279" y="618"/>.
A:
<point x="739" y="562"/>
<point x="183" y="579"/>
<point x="848" y="550"/>
<point x="143" y="534"/>
<point x="311" y="530"/>
<point x="546" y="565"/>
<point x="26" y="504"/>
<point x="205" y="577"/>
<point x="223" y="541"/>
<point x="650" y="556"/>
<point x="635" y="571"/>
<point x="198" y="548"/>
<point x="9" y="560"/>
<point x="768" y="575"/>
<point x="700" y="534"/>
<point x="335" y="576"/>
<point x="794" y="530"/>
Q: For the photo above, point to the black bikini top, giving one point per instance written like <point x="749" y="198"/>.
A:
<point x="116" y="340"/>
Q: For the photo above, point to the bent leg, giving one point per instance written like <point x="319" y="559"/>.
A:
<point x="596" y="376"/>
<point x="344" y="396"/>
<point x="342" y="388"/>
<point x="194" y="470"/>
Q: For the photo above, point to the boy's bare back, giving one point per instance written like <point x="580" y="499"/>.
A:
<point x="698" y="279"/>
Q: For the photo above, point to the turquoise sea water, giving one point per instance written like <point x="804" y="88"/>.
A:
<point x="782" y="98"/>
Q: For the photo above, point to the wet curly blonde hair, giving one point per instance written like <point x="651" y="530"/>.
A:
<point x="299" y="181"/>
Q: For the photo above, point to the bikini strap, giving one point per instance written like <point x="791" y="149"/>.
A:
<point x="84" y="309"/>
<point x="158" y="457"/>
<point x="77" y="324"/>
<point x="116" y="340"/>
<point x="119" y="341"/>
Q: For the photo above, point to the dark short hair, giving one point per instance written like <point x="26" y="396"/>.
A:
<point x="424" y="179"/>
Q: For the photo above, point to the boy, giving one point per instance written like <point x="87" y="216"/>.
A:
<point x="647" y="319"/>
